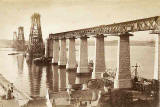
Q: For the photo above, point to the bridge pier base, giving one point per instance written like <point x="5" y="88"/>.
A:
<point x="81" y="80"/>
<point x="99" y="64"/>
<point x="62" y="57"/>
<point x="83" y="73"/>
<point x="157" y="58"/>
<point x="83" y="56"/>
<point x="47" y="48"/>
<point x="50" y="48"/>
<point x="123" y="74"/>
<point x="70" y="77"/>
<point x="55" y="51"/>
<point x="157" y="67"/>
<point x="62" y="79"/>
<point x="71" y="63"/>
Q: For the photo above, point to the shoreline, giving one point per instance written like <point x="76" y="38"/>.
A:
<point x="18" y="95"/>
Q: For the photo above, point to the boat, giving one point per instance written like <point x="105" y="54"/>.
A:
<point x="42" y="60"/>
<point x="13" y="53"/>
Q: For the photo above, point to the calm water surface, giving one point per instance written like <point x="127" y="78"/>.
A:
<point x="34" y="80"/>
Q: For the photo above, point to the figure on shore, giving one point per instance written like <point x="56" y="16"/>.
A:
<point x="9" y="92"/>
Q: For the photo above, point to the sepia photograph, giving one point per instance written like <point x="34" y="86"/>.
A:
<point x="79" y="53"/>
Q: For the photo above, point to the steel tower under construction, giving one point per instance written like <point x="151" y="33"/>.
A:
<point x="36" y="46"/>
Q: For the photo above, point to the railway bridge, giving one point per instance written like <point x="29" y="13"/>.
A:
<point x="122" y="30"/>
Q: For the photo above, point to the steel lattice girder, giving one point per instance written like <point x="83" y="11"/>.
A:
<point x="152" y="23"/>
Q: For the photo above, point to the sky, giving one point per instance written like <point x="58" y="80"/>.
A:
<point x="65" y="15"/>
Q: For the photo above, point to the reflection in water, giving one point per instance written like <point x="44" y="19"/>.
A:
<point x="49" y="78"/>
<point x="62" y="78"/>
<point x="81" y="79"/>
<point x="37" y="103"/>
<point x="31" y="77"/>
<point x="55" y="78"/>
<point x="84" y="98"/>
<point x="94" y="95"/>
<point x="70" y="77"/>
<point x="20" y="62"/>
<point x="35" y="74"/>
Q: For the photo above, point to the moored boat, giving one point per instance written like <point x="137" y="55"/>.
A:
<point x="42" y="60"/>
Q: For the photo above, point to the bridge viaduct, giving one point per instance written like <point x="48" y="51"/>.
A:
<point x="121" y="30"/>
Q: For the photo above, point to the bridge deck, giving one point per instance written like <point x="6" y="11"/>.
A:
<point x="145" y="24"/>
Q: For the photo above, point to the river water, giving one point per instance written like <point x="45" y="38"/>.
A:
<point x="34" y="80"/>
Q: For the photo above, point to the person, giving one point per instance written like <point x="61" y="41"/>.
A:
<point x="8" y="96"/>
<point x="11" y="87"/>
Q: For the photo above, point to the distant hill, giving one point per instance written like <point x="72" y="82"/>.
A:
<point x="8" y="43"/>
<point x="132" y="43"/>
<point x="5" y="43"/>
<point x="142" y="43"/>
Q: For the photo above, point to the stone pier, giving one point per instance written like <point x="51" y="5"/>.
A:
<point x="62" y="57"/>
<point x="83" y="72"/>
<point x="62" y="79"/>
<point x="123" y="74"/>
<point x="71" y="63"/>
<point x="50" y="48"/>
<point x="55" y="51"/>
<point x="157" y="58"/>
<point x="70" y="78"/>
<point x="83" y="56"/>
<point x="99" y="64"/>
<point x="47" y="47"/>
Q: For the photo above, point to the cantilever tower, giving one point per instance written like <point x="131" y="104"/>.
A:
<point x="36" y="46"/>
<point x="19" y="41"/>
<point x="14" y="39"/>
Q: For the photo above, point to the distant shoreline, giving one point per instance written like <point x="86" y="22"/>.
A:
<point x="8" y="43"/>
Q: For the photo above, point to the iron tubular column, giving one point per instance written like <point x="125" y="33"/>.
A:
<point x="62" y="57"/>
<point x="71" y="63"/>
<point x="157" y="58"/>
<point x="62" y="79"/>
<point x="14" y="39"/>
<point x="99" y="64"/>
<point x="83" y="56"/>
<point x="55" y="51"/>
<point x="123" y="74"/>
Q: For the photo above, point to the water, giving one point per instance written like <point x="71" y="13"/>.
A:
<point x="34" y="80"/>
